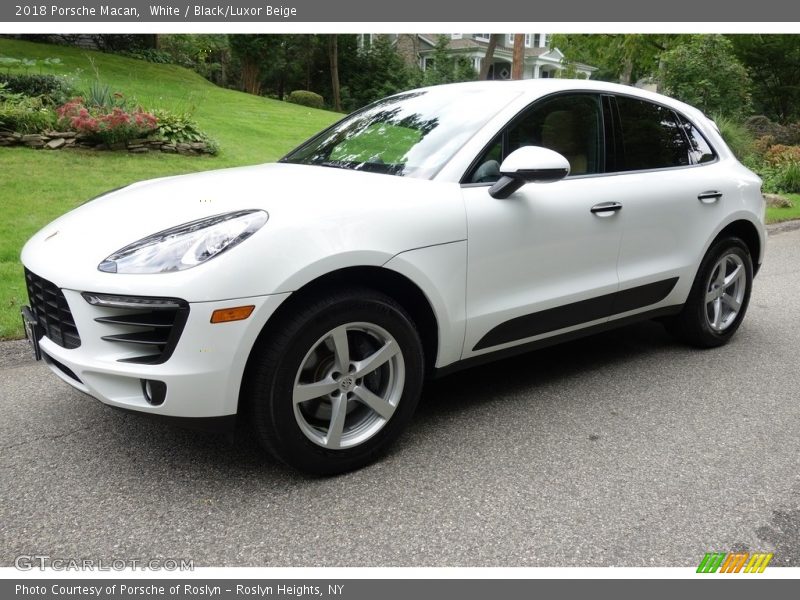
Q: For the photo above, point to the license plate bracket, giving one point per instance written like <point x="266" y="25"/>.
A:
<point x="33" y="331"/>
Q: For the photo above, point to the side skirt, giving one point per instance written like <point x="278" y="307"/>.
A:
<point x="467" y="363"/>
<point x="576" y="313"/>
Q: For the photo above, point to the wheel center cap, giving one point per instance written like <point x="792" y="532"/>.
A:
<point x="347" y="384"/>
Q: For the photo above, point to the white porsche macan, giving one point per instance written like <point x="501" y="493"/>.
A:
<point x="427" y="232"/>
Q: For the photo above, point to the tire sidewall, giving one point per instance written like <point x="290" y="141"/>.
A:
<point x="279" y="418"/>
<point x="697" y="302"/>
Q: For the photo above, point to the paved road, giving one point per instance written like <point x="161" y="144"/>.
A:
<point x="627" y="449"/>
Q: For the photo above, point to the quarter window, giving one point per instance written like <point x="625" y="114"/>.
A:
<point x="700" y="150"/>
<point x="652" y="137"/>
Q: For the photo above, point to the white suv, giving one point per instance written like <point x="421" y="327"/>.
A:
<point x="427" y="232"/>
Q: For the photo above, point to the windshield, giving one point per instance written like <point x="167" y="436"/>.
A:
<point x="412" y="134"/>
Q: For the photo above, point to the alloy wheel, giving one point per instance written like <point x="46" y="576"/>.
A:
<point x="725" y="291"/>
<point x="348" y="385"/>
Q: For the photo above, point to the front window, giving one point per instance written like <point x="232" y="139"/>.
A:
<point x="571" y="125"/>
<point x="411" y="134"/>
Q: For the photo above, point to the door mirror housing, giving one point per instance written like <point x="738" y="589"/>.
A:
<point x="529" y="164"/>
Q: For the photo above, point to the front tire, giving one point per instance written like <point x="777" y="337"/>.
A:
<point x="336" y="383"/>
<point x="719" y="296"/>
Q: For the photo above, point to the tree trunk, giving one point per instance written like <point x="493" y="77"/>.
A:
<point x="251" y="77"/>
<point x="518" y="60"/>
<point x="627" y="72"/>
<point x="333" y="55"/>
<point x="488" y="58"/>
<point x="309" y="59"/>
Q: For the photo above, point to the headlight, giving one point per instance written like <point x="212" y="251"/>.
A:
<point x="187" y="245"/>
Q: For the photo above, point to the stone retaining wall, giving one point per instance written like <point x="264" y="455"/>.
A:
<point x="57" y="140"/>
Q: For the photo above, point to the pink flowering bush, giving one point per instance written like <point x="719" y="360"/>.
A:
<point x="107" y="124"/>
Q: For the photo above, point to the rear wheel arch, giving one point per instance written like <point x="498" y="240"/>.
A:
<point x="723" y="284"/>
<point x="748" y="233"/>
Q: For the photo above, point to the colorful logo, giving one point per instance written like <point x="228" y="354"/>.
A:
<point x="734" y="562"/>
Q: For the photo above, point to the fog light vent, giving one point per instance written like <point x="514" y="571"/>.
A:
<point x="153" y="325"/>
<point x="154" y="391"/>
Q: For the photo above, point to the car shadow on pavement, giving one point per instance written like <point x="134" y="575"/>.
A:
<point x="144" y="441"/>
<point x="527" y="372"/>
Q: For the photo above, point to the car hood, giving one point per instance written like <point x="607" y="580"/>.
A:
<point x="312" y="210"/>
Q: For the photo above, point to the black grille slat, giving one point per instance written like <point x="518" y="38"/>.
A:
<point x="50" y="308"/>
<point x="147" y="338"/>
<point x="155" y="328"/>
<point x="153" y="359"/>
<point x="156" y="319"/>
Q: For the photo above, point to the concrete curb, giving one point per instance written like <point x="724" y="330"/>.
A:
<point x="777" y="228"/>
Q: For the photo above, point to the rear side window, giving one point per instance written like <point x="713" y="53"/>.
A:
<point x="652" y="136"/>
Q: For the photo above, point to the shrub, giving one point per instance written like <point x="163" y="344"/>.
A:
<point x="737" y="136"/>
<point x="790" y="177"/>
<point x="306" y="98"/>
<point x="23" y="114"/>
<point x="51" y="89"/>
<point x="107" y="125"/>
<point x="180" y="128"/>
<point x="27" y="117"/>
<point x="150" y="55"/>
<point x="782" y="178"/>
<point x="778" y="154"/>
<point x="761" y="127"/>
<point x="99" y="95"/>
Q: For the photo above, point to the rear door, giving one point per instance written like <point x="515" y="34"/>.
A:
<point x="673" y="190"/>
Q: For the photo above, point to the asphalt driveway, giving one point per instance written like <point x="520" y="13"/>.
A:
<point x="625" y="449"/>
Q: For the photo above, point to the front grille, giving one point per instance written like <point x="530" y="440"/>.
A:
<point x="50" y="308"/>
<point x="153" y="325"/>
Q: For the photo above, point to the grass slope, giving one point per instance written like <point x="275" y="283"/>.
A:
<point x="36" y="186"/>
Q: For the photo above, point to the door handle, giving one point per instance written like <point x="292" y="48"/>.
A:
<point x="709" y="197"/>
<point x="605" y="209"/>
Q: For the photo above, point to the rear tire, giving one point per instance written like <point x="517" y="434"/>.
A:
<point x="336" y="383"/>
<point x="719" y="296"/>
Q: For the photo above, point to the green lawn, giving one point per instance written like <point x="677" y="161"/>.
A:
<point x="36" y="186"/>
<point x="776" y="215"/>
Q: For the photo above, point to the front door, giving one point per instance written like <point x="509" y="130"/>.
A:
<point x="544" y="260"/>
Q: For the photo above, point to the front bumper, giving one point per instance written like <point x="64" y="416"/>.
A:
<point x="202" y="376"/>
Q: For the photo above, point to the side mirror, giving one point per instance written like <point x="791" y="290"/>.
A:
<point x="529" y="164"/>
